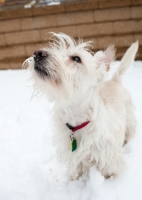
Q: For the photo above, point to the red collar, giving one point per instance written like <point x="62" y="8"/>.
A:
<point x="77" y="127"/>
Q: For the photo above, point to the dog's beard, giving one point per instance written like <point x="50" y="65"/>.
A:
<point x="41" y="69"/>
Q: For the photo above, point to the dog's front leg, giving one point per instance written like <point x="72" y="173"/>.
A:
<point x="75" y="171"/>
<point x="114" y="163"/>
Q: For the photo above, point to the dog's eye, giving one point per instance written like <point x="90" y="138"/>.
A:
<point x="76" y="59"/>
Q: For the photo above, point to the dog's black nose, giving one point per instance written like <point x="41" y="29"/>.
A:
<point x="40" y="54"/>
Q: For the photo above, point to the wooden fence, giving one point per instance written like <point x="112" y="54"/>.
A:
<point x="103" y="21"/>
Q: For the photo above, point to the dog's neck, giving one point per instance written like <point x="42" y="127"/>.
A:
<point x="80" y="109"/>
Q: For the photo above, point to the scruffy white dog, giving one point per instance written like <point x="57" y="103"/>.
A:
<point x="95" y="116"/>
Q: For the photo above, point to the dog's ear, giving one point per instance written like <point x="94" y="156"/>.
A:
<point x="104" y="58"/>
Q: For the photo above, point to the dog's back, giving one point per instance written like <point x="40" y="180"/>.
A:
<point x="117" y="97"/>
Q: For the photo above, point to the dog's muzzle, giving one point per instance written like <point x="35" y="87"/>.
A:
<point x="40" y="59"/>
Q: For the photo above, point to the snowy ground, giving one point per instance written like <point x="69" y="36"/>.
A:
<point x="28" y="166"/>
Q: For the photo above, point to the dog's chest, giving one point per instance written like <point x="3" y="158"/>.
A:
<point x="75" y="115"/>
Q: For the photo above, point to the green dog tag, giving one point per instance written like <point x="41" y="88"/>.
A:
<point x="73" y="144"/>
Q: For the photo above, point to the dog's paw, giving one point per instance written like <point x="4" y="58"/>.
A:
<point x="75" y="177"/>
<point x="110" y="176"/>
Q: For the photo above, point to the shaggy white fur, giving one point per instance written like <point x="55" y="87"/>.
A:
<point x="72" y="77"/>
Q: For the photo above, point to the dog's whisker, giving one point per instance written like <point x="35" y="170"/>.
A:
<point x="27" y="62"/>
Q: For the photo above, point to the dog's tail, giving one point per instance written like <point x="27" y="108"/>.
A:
<point x="126" y="61"/>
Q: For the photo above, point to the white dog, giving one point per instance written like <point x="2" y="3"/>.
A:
<point x="96" y="117"/>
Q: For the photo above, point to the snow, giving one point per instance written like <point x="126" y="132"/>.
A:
<point x="29" y="169"/>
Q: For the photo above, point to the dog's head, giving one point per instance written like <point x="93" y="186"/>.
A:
<point x="65" y="68"/>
